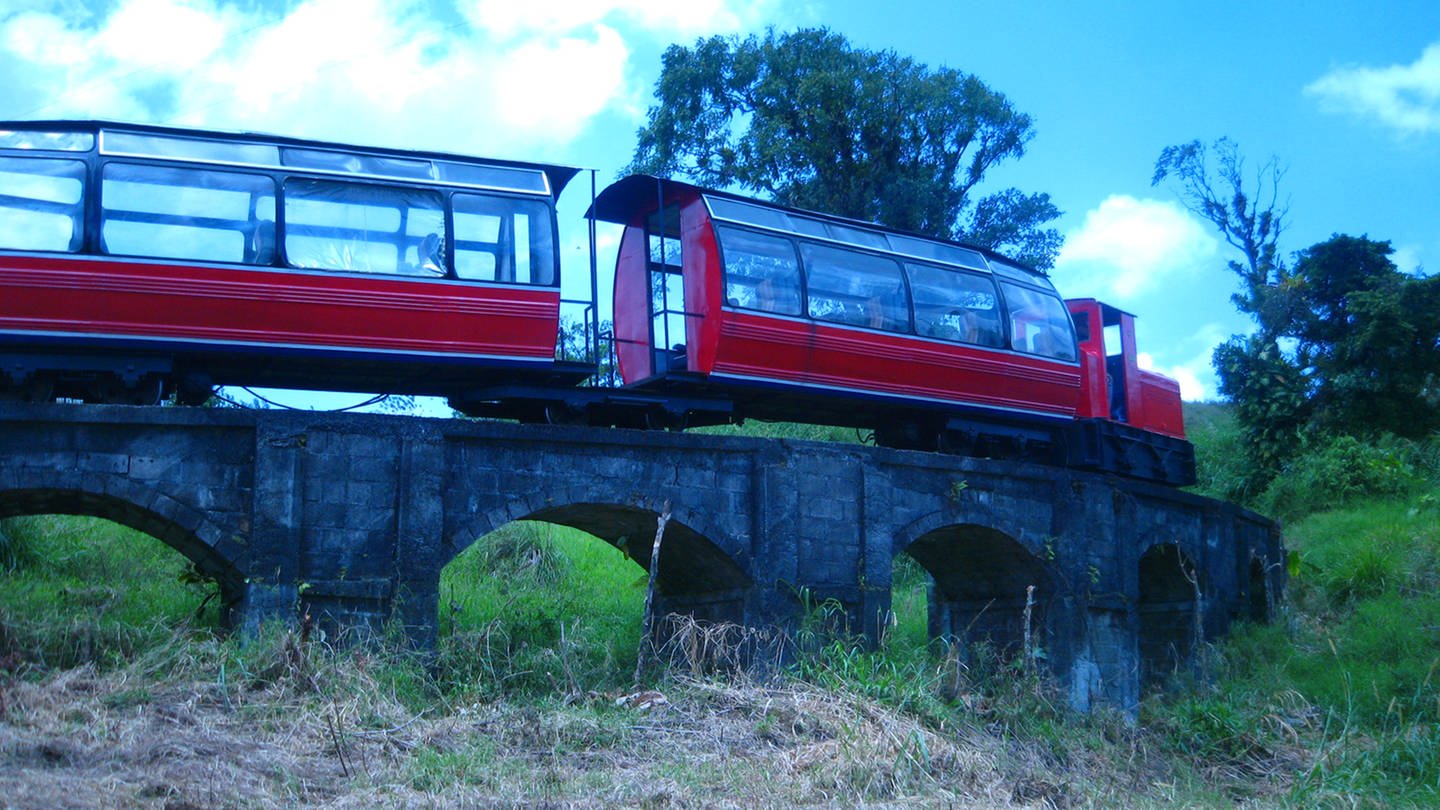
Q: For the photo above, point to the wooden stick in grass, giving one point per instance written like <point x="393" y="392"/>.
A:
<point x="647" y="624"/>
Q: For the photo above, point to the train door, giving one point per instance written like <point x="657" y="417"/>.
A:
<point x="1122" y="366"/>
<point x="667" y="291"/>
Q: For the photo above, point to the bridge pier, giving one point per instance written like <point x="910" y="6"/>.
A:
<point x="350" y="518"/>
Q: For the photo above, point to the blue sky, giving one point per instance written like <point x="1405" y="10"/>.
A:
<point x="1346" y="94"/>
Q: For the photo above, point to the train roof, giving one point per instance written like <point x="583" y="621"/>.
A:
<point x="618" y="202"/>
<point x="399" y="164"/>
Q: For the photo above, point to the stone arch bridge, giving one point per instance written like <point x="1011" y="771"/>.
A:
<point x="351" y="517"/>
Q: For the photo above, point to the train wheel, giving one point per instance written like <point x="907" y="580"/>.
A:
<point x="558" y="413"/>
<point x="659" y="419"/>
<point x="149" y="390"/>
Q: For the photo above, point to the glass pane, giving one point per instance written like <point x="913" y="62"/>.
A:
<point x="855" y="288"/>
<point x="131" y="143"/>
<point x="737" y="211"/>
<point x="761" y="271"/>
<point x="857" y="236"/>
<point x="58" y="141"/>
<point x="1015" y="271"/>
<point x="504" y="239"/>
<point x="41" y="204"/>
<point x="936" y="251"/>
<point x="953" y="305"/>
<point x="187" y="214"/>
<point x="364" y="228"/>
<point x="350" y="163"/>
<point x="1039" y="323"/>
<point x="504" y="177"/>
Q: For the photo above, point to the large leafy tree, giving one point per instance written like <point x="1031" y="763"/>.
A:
<point x="1366" y="335"/>
<point x="1345" y="343"/>
<point x="810" y="122"/>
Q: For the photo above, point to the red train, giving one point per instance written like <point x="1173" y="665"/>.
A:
<point x="138" y="261"/>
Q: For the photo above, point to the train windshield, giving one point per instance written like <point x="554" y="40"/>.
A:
<point x="248" y="200"/>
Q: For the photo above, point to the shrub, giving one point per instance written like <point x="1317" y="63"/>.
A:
<point x="1340" y="471"/>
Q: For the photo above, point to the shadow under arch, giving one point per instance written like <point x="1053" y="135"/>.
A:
<point x="983" y="581"/>
<point x="127" y="511"/>
<point x="1169" y="611"/>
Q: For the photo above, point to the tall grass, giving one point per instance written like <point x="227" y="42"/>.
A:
<point x="536" y="608"/>
<point x="78" y="590"/>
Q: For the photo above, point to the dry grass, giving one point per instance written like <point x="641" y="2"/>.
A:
<point x="288" y="725"/>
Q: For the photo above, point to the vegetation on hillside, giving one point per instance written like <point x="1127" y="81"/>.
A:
<point x="115" y="687"/>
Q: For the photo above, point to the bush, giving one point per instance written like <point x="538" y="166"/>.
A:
<point x="1341" y="471"/>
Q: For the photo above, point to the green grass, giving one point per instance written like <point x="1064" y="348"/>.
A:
<point x="537" y="608"/>
<point x="84" y="590"/>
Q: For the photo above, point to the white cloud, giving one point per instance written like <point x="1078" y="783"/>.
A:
<point x="1127" y="246"/>
<point x="166" y="34"/>
<point x="1407" y="258"/>
<point x="507" y="18"/>
<point x="1403" y="97"/>
<point x="509" y="79"/>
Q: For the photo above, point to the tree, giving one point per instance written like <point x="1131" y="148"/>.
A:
<point x="810" y="122"/>
<point x="1345" y="344"/>
<point x="1248" y="214"/>
<point x="1367" y="337"/>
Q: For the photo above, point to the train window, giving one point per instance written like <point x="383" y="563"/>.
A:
<point x="199" y="149"/>
<point x="1082" y="326"/>
<point x="1039" y="323"/>
<point x="761" y="271"/>
<point x="935" y="251"/>
<point x="151" y="211"/>
<point x="855" y="288"/>
<point x="326" y="160"/>
<point x="56" y="141"/>
<point x="953" y="305"/>
<point x="503" y="239"/>
<point x="359" y="227"/>
<point x="1019" y="273"/>
<point x="502" y="177"/>
<point x="663" y="235"/>
<point x="40" y="204"/>
<point x="749" y="213"/>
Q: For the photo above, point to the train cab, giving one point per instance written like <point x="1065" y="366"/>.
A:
<point x="808" y="317"/>
<point x="1115" y="387"/>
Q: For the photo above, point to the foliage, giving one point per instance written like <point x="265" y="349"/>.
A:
<point x="1248" y="214"/>
<point x="1345" y="343"/>
<point x="813" y="123"/>
<point x="1340" y="471"/>
<point x="1220" y="450"/>
<point x="1367" y="338"/>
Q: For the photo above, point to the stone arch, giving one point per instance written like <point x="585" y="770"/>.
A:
<point x="988" y="586"/>
<point x="185" y="529"/>
<point x="696" y="577"/>
<point x="1170" y="608"/>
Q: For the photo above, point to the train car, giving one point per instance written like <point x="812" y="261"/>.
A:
<point x="800" y="316"/>
<point x="140" y="260"/>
